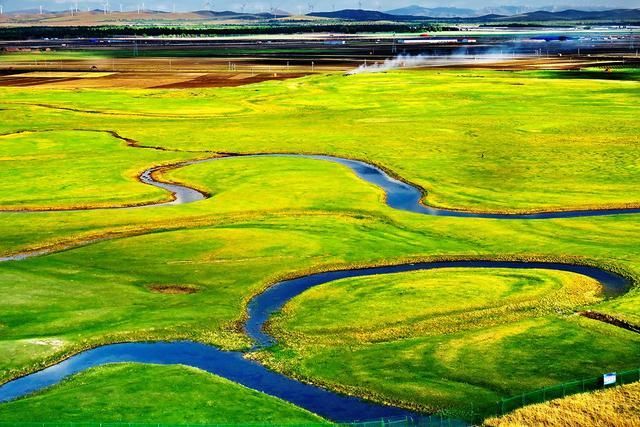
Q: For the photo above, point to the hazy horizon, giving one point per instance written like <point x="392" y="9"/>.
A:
<point x="296" y="6"/>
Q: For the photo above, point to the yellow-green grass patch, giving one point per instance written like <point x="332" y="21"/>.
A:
<point x="75" y="169"/>
<point x="465" y="373"/>
<point x="472" y="139"/>
<point x="432" y="302"/>
<point x="140" y="393"/>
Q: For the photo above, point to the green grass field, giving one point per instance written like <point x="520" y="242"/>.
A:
<point x="525" y="143"/>
<point x="479" y="140"/>
<point x="70" y="169"/>
<point x="430" y="303"/>
<point x="452" y="340"/>
<point x="165" y="394"/>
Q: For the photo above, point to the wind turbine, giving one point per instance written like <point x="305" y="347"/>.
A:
<point x="310" y="7"/>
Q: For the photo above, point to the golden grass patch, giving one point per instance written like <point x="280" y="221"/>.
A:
<point x="619" y="407"/>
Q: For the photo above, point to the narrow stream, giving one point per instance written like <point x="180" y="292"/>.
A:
<point x="400" y="195"/>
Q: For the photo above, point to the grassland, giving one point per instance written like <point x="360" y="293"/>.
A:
<point x="474" y="140"/>
<point x="519" y="154"/>
<point x="152" y="393"/>
<point x="61" y="55"/>
<point x="616" y="407"/>
<point x="453" y="340"/>
<point x="377" y="309"/>
<point x="83" y="164"/>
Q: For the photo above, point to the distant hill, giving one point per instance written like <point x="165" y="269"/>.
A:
<point x="359" y="15"/>
<point x="615" y="15"/>
<point x="239" y="15"/>
<point x="409" y="13"/>
<point x="98" y="17"/>
<point x="402" y="15"/>
<point x="213" y="14"/>
<point x="504" y="10"/>
<point x="436" y="12"/>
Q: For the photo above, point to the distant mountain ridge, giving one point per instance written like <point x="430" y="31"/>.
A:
<point x="436" y="12"/>
<point x="455" y="12"/>
<point x="408" y="14"/>
<point x="358" y="15"/>
<point x="615" y="15"/>
<point x="579" y="15"/>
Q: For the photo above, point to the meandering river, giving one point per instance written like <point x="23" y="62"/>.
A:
<point x="235" y="367"/>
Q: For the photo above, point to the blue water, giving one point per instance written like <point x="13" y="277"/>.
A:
<point x="405" y="197"/>
<point x="400" y="195"/>
<point x="227" y="364"/>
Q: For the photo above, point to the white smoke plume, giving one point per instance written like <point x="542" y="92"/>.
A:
<point x="408" y="61"/>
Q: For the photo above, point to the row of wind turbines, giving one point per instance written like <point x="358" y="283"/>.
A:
<point x="74" y="8"/>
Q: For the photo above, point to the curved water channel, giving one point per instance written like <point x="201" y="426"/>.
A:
<point x="399" y="195"/>
<point x="233" y="365"/>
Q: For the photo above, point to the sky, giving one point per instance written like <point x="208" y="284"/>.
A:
<point x="304" y="5"/>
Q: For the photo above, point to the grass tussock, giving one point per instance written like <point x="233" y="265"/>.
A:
<point x="173" y="289"/>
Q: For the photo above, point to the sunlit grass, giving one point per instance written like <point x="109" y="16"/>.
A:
<point x="70" y="169"/>
<point x="474" y="140"/>
<point x="464" y="373"/>
<point x="616" y="407"/>
<point x="436" y="302"/>
<point x="132" y="393"/>
<point x="451" y="340"/>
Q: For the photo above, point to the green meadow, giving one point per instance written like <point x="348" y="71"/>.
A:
<point x="454" y="340"/>
<point x="436" y="340"/>
<point x="71" y="169"/>
<point x="434" y="302"/>
<point x="491" y="141"/>
<point x="138" y="393"/>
